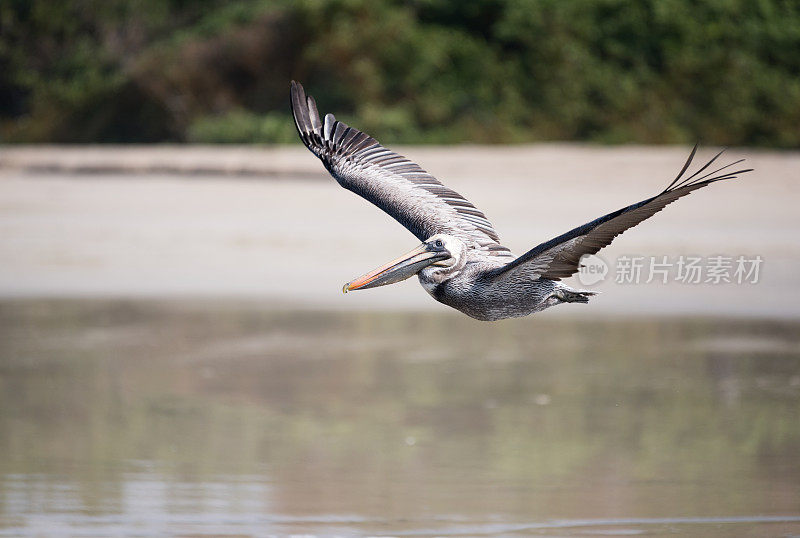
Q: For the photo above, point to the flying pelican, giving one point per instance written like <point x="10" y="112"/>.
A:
<point x="461" y="262"/>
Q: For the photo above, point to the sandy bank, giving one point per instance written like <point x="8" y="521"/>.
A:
<point x="267" y="223"/>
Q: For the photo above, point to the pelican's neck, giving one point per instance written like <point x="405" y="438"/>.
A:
<point x="433" y="275"/>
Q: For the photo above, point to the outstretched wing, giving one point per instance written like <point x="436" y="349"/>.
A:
<point x="560" y="257"/>
<point x="400" y="187"/>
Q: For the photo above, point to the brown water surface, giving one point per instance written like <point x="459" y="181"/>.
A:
<point x="221" y="418"/>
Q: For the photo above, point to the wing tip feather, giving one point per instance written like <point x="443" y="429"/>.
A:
<point x="694" y="181"/>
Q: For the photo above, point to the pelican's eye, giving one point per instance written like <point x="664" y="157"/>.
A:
<point x="439" y="244"/>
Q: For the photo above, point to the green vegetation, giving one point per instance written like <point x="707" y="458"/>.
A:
<point x="657" y="71"/>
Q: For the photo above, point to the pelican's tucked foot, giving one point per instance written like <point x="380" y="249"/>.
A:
<point x="573" y="296"/>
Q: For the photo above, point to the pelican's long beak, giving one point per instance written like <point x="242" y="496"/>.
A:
<point x="403" y="267"/>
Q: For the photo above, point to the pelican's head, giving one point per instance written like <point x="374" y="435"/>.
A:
<point x="440" y="253"/>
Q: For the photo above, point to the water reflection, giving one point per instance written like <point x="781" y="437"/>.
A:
<point x="201" y="418"/>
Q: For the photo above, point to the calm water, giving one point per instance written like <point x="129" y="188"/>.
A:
<point x="149" y="419"/>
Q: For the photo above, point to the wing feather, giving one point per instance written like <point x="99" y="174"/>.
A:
<point x="560" y="257"/>
<point x="392" y="182"/>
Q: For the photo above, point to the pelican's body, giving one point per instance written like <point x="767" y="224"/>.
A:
<point x="461" y="261"/>
<point x="474" y="293"/>
<point x="471" y="286"/>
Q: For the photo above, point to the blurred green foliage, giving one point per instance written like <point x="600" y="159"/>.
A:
<point x="656" y="71"/>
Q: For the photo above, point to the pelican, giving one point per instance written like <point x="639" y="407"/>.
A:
<point x="461" y="262"/>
